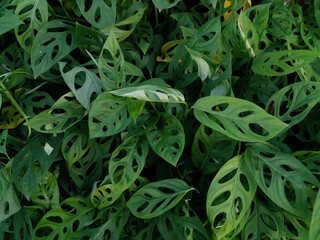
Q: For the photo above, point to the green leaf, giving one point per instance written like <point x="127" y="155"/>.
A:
<point x="135" y="107"/>
<point x="108" y="115"/>
<point x="55" y="40"/>
<point x="292" y="103"/>
<point x="34" y="14"/>
<point x="156" y="198"/>
<point x="8" y="21"/>
<point x="61" y="116"/>
<point x="46" y="194"/>
<point x="295" y="227"/>
<point x="143" y="35"/>
<point x="63" y="222"/>
<point x="282" y="62"/>
<point x="249" y="34"/>
<point x="3" y="143"/>
<point x="98" y="13"/>
<point x="22" y="225"/>
<point x="104" y="196"/>
<point x="317" y="11"/>
<point x="151" y="93"/>
<point x="164" y="4"/>
<point x="237" y="118"/>
<point x="110" y="64"/>
<point x="167" y="138"/>
<point x="82" y="82"/>
<point x="33" y="161"/>
<point x="211" y="149"/>
<point x="283" y="178"/>
<point x="314" y="226"/>
<point x="229" y="197"/>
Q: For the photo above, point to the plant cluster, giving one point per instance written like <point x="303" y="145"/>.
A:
<point x="158" y="119"/>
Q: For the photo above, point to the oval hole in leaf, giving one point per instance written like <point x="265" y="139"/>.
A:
<point x="221" y="198"/>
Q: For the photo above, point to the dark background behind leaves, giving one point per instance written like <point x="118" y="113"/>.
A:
<point x="159" y="119"/>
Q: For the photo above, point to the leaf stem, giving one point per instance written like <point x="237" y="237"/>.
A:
<point x="157" y="17"/>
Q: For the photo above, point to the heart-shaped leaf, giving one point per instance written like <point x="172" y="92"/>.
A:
<point x="156" y="198"/>
<point x="282" y="62"/>
<point x="151" y="93"/>
<point x="108" y="115"/>
<point x="229" y="196"/>
<point x="237" y="118"/>
<point x="34" y="14"/>
<point x="283" y="178"/>
<point x="63" y="222"/>
<point x="167" y="138"/>
<point x="55" y="40"/>
<point x="82" y="82"/>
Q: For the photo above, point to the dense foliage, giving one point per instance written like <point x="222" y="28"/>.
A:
<point x="158" y="119"/>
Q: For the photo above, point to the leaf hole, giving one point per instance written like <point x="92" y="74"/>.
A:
<point x="228" y="176"/>
<point x="223" y="197"/>
<point x="219" y="220"/>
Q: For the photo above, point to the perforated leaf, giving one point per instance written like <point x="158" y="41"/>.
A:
<point x="167" y="138"/>
<point x="314" y="225"/>
<point x="156" y="198"/>
<point x="211" y="149"/>
<point x="292" y="103"/>
<point x="99" y="13"/>
<point x="295" y="227"/>
<point x="284" y="179"/>
<point x="55" y="40"/>
<point x="229" y="196"/>
<point x="108" y="115"/>
<point x="72" y="216"/>
<point x="164" y="4"/>
<point x="143" y="35"/>
<point x="110" y="64"/>
<point x="62" y="115"/>
<point x="22" y="225"/>
<point x="282" y="62"/>
<point x="34" y="14"/>
<point x="310" y="33"/>
<point x="104" y="196"/>
<point x="46" y="194"/>
<point x="33" y="161"/>
<point x="10" y="118"/>
<point x="151" y="93"/>
<point x="237" y="118"/>
<point x="82" y="82"/>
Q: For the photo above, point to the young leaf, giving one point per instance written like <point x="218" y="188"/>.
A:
<point x="229" y="196"/>
<point x="167" y="138"/>
<point x="156" y="198"/>
<point x="108" y="115"/>
<point x="82" y="82"/>
<point x="237" y="118"/>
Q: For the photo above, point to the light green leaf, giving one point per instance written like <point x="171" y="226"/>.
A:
<point x="156" y="198"/>
<point x="164" y="4"/>
<point x="34" y="14"/>
<point x="82" y="82"/>
<point x="167" y="138"/>
<point x="151" y="93"/>
<point x="8" y="21"/>
<point x="108" y="115"/>
<point x="55" y="40"/>
<point x="283" y="62"/>
<point x="229" y="197"/>
<point x="315" y="226"/>
<point x="135" y="107"/>
<point x="237" y="118"/>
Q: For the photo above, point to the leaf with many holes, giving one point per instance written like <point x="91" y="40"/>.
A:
<point x="22" y="225"/>
<point x="164" y="4"/>
<point x="9" y="202"/>
<point x="167" y="138"/>
<point x="55" y="40"/>
<point x="63" y="222"/>
<point x="110" y="64"/>
<point x="46" y="194"/>
<point x="10" y="118"/>
<point x="295" y="227"/>
<point x="229" y="196"/>
<point x="145" y="122"/>
<point x="151" y="93"/>
<point x="99" y="13"/>
<point x="283" y="178"/>
<point x="282" y="62"/>
<point x="33" y="161"/>
<point x="143" y="35"/>
<point x="156" y="198"/>
<point x="314" y="225"/>
<point x="249" y="34"/>
<point x="310" y="33"/>
<point x="237" y="118"/>
<point x="211" y="149"/>
<point x="34" y="14"/>
<point x="82" y="82"/>
<point x="8" y="21"/>
<point x="265" y="222"/>
<point x="62" y="115"/>
<point x="292" y="103"/>
<point x="181" y="223"/>
<point x="108" y="115"/>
